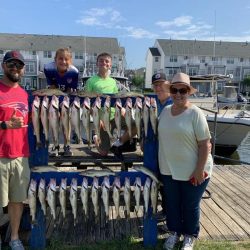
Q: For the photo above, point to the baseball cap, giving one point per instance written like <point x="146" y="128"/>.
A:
<point x="159" y="77"/>
<point x="13" y="55"/>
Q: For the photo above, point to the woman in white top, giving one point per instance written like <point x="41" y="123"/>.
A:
<point x="185" y="162"/>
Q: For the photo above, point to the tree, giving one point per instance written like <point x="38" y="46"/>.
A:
<point x="138" y="81"/>
<point x="246" y="81"/>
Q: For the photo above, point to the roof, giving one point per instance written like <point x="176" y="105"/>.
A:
<point x="204" y="48"/>
<point x="33" y="42"/>
<point x="154" y="52"/>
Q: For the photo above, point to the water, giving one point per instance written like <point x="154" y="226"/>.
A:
<point x="242" y="154"/>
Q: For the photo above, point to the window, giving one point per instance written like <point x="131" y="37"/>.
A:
<point x="173" y="59"/>
<point x="192" y="71"/>
<point x="185" y="57"/>
<point x="156" y="59"/>
<point x="47" y="54"/>
<point x="219" y="70"/>
<point x="172" y="72"/>
<point x="241" y="59"/>
<point x="202" y="59"/>
<point x="78" y="55"/>
<point x="30" y="67"/>
<point x="230" y="61"/>
<point x="80" y="68"/>
<point x="215" y="59"/>
<point x="1" y="52"/>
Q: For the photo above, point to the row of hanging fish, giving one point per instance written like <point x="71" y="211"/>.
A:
<point x="105" y="193"/>
<point x="52" y="115"/>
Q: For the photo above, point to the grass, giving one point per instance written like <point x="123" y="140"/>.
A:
<point x="132" y="244"/>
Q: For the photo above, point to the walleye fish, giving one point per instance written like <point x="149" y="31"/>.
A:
<point x="48" y="92"/>
<point x="146" y="194"/>
<point x="62" y="196"/>
<point x="118" y="115"/>
<point x="145" y="114"/>
<point x="97" y="173"/>
<point x="54" y="121"/>
<point x="116" y="195"/>
<point x="65" y="119"/>
<point x="86" y="108"/>
<point x="127" y="196"/>
<point x="51" y="198"/>
<point x="138" y="116"/>
<point x="154" y="196"/>
<point x="105" y="195"/>
<point x="42" y="195"/>
<point x="96" y="115"/>
<point x="94" y="198"/>
<point x="73" y="198"/>
<point x="84" y="197"/>
<point x="106" y="116"/>
<point x="137" y="193"/>
<point x="147" y="172"/>
<point x="36" y="120"/>
<point x="75" y="117"/>
<point x="32" y="200"/>
<point x="45" y="118"/>
<point x="153" y="115"/>
<point x="42" y="169"/>
<point x="128" y="116"/>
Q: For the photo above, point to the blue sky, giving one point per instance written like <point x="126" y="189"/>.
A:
<point x="135" y="23"/>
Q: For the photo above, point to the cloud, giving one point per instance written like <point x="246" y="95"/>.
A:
<point x="111" y="18"/>
<point x="177" y="22"/>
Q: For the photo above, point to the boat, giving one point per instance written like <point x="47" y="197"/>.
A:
<point x="229" y="124"/>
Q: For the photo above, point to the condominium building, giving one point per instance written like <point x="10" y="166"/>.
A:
<point x="40" y="49"/>
<point x="198" y="58"/>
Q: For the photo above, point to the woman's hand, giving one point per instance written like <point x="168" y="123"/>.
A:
<point x="198" y="177"/>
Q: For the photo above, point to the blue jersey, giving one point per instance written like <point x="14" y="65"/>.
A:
<point x="161" y="106"/>
<point x="68" y="81"/>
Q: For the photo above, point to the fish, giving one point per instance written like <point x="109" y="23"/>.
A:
<point x="145" y="114"/>
<point x="118" y="115"/>
<point x="97" y="173"/>
<point x="42" y="169"/>
<point x="75" y="118"/>
<point x="73" y="198"/>
<point x="106" y="116"/>
<point x="154" y="196"/>
<point x="65" y="119"/>
<point x="36" y="120"/>
<point x="153" y="115"/>
<point x="116" y="195"/>
<point x="127" y="196"/>
<point x="146" y="194"/>
<point x="84" y="197"/>
<point x="96" y="115"/>
<point x="51" y="198"/>
<point x="48" y="92"/>
<point x="138" y="116"/>
<point x="147" y="172"/>
<point x="54" y="121"/>
<point x="94" y="198"/>
<point x="44" y="116"/>
<point x="62" y="196"/>
<point x="105" y="195"/>
<point x="42" y="195"/>
<point x="128" y="116"/>
<point x="137" y="193"/>
<point x="32" y="200"/>
<point x="86" y="109"/>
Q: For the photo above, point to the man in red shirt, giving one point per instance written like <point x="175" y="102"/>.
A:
<point x="14" y="148"/>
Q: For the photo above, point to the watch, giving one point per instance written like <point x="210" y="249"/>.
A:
<point x="3" y="125"/>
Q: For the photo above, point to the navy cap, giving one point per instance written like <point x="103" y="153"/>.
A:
<point x="13" y="55"/>
<point x="158" y="77"/>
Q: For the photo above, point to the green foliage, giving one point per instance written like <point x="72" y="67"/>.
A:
<point x="246" y="81"/>
<point x="138" y="81"/>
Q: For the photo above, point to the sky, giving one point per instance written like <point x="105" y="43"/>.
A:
<point x="135" y="23"/>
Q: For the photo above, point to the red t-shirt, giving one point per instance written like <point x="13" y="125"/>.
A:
<point x="13" y="142"/>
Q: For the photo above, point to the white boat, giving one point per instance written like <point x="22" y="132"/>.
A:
<point x="229" y="124"/>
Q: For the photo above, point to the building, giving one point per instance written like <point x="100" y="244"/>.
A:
<point x="40" y="49"/>
<point x="197" y="58"/>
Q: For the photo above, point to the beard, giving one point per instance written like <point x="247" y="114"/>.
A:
<point x="13" y="77"/>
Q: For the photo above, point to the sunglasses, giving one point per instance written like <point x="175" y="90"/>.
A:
<point x="12" y="64"/>
<point x="182" y="91"/>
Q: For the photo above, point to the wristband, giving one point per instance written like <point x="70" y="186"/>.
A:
<point x="3" y="125"/>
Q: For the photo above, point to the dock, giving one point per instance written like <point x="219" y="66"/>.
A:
<point x="224" y="215"/>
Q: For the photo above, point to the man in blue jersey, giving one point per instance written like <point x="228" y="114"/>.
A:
<point x="63" y="75"/>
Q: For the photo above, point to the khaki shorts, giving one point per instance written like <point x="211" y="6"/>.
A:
<point x="14" y="180"/>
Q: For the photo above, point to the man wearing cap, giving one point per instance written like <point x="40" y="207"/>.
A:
<point x="14" y="149"/>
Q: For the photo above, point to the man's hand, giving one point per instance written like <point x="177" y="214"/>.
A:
<point x="15" y="122"/>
